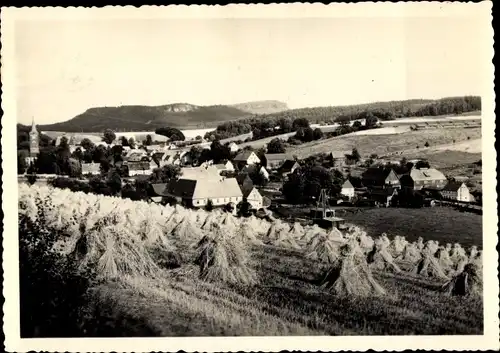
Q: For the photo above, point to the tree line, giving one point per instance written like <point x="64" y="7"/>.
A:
<point x="267" y="125"/>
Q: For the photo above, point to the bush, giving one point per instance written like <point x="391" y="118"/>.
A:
<point x="52" y="288"/>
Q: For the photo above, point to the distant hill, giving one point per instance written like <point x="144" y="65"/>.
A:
<point x="262" y="107"/>
<point x="148" y="118"/>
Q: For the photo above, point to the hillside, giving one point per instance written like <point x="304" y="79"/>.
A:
<point x="385" y="111"/>
<point x="391" y="145"/>
<point x="262" y="107"/>
<point x="147" y="118"/>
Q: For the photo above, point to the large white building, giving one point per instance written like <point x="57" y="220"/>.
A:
<point x="197" y="193"/>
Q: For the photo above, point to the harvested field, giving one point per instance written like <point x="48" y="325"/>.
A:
<point x="138" y="294"/>
<point x="387" y="145"/>
<point x="443" y="224"/>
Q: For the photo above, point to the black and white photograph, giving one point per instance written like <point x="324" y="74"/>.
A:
<point x="303" y="172"/>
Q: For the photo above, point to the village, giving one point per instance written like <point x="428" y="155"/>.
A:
<point x="201" y="174"/>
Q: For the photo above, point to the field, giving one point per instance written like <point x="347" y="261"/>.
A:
<point x="285" y="302"/>
<point x="387" y="145"/>
<point x="261" y="280"/>
<point x="440" y="223"/>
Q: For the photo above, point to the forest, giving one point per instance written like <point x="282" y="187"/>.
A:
<point x="278" y="123"/>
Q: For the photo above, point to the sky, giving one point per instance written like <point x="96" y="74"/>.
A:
<point x="65" y="67"/>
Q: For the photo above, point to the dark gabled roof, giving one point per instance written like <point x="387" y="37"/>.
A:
<point x="287" y="165"/>
<point x="243" y="156"/>
<point x="243" y="178"/>
<point x="159" y="189"/>
<point x="181" y="188"/>
<point x="276" y="156"/>
<point x="357" y="183"/>
<point x="246" y="190"/>
<point x="452" y="186"/>
<point x="376" y="174"/>
<point x="382" y="192"/>
<point x="347" y="184"/>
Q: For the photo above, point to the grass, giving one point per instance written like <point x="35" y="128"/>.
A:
<point x="395" y="144"/>
<point x="443" y="224"/>
<point x="285" y="302"/>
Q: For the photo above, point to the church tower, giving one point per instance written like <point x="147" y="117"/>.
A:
<point x="34" y="140"/>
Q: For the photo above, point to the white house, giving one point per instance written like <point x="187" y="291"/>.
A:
<point x="457" y="191"/>
<point x="233" y="147"/>
<point x="228" y="166"/>
<point x="91" y="168"/>
<point x="247" y="157"/>
<point x="254" y="198"/>
<point x="251" y="168"/>
<point x="347" y="189"/>
<point x="220" y="191"/>
<point x="288" y="167"/>
<point x="276" y="160"/>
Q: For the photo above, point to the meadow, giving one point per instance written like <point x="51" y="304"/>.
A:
<point x="444" y="224"/>
<point x="169" y="271"/>
<point x="387" y="145"/>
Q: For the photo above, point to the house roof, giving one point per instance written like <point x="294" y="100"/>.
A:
<point x="249" y="191"/>
<point x="452" y="186"/>
<point x="277" y="156"/>
<point x="383" y="192"/>
<point x="217" y="188"/>
<point x="461" y="178"/>
<point x="426" y="174"/>
<point x="288" y="165"/>
<point x="220" y="166"/>
<point x="376" y="174"/>
<point x="204" y="171"/>
<point x="242" y="177"/>
<point x="142" y="165"/>
<point x="184" y="188"/>
<point x="160" y="189"/>
<point x="347" y="185"/>
<point x="243" y="156"/>
<point x="356" y="183"/>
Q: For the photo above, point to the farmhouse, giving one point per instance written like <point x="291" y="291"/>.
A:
<point x="135" y="155"/>
<point x="428" y="178"/>
<point x="245" y="183"/>
<point x="139" y="168"/>
<point x="288" y="167"/>
<point x="254" y="198"/>
<point x="196" y="193"/>
<point x="384" y="196"/>
<point x="252" y="168"/>
<point x="337" y="159"/>
<point x="228" y="166"/>
<point x="91" y="168"/>
<point x="276" y="160"/>
<point x="233" y="147"/>
<point x="380" y="178"/>
<point x="246" y="157"/>
<point x="347" y="189"/>
<point x="457" y="191"/>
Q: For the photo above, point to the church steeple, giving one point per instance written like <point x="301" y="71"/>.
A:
<point x="33" y="126"/>
<point x="34" y="145"/>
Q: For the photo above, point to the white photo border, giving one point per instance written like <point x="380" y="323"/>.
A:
<point x="13" y="342"/>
